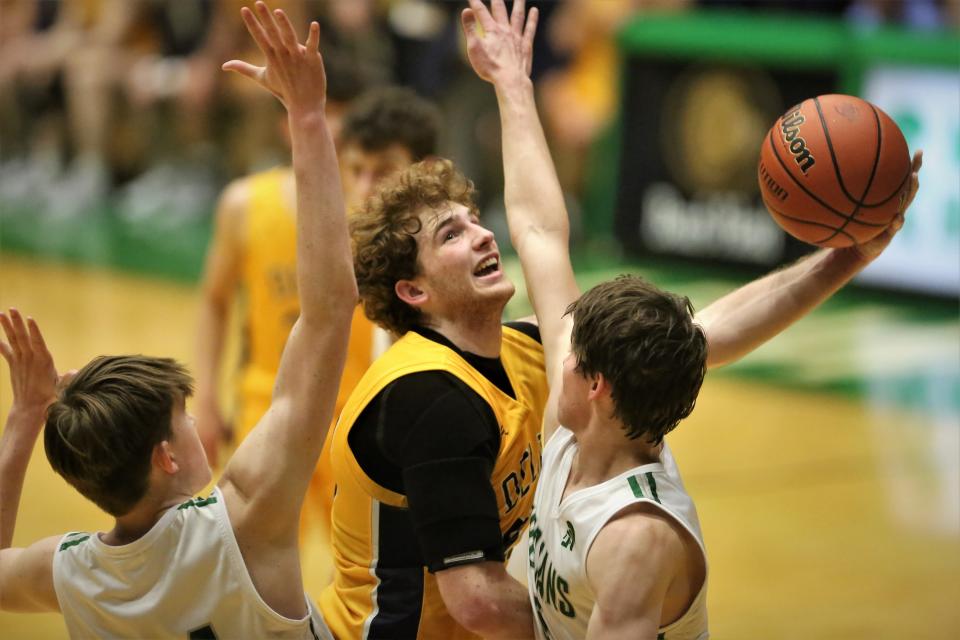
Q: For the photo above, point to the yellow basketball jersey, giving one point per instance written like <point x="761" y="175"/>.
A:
<point x="269" y="286"/>
<point x="271" y="306"/>
<point x="356" y="603"/>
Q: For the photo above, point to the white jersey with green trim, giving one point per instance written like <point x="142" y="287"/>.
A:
<point x="185" y="578"/>
<point x="561" y="533"/>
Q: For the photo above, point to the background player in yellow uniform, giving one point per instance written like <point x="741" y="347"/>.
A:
<point x="252" y="257"/>
<point x="119" y="433"/>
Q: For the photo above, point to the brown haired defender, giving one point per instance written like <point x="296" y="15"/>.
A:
<point x="101" y="429"/>
<point x="644" y="341"/>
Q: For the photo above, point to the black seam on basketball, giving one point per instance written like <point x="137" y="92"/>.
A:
<point x="899" y="188"/>
<point x="896" y="193"/>
<point x="833" y="155"/>
<point x="860" y="203"/>
<point x="812" y="195"/>
<point x="809" y="223"/>
<point x="873" y="171"/>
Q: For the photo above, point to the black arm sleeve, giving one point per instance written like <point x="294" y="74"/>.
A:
<point x="445" y="451"/>
<point x="454" y="512"/>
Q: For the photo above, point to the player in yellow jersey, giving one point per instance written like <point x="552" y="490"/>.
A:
<point x="437" y="450"/>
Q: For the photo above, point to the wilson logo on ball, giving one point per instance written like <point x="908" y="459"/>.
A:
<point x="790" y="128"/>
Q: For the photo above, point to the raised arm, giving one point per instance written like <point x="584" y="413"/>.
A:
<point x="26" y="574"/>
<point x="500" y="50"/>
<point x="268" y="475"/>
<point x="746" y="318"/>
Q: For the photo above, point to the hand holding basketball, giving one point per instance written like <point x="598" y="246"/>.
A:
<point x="873" y="248"/>
<point x="835" y="171"/>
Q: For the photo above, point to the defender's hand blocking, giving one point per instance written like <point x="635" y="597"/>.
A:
<point x="32" y="373"/>
<point x="294" y="72"/>
<point x="499" y="47"/>
<point x="868" y="251"/>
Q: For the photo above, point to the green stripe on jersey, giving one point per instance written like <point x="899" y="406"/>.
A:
<point x="637" y="491"/>
<point x="72" y="543"/>
<point x="199" y="502"/>
<point x="653" y="486"/>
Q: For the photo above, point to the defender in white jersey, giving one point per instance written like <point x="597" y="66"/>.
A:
<point x="185" y="578"/>
<point x="171" y="566"/>
<point x="562" y="531"/>
<point x="615" y="547"/>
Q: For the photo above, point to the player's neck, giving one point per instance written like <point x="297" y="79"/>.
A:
<point x="134" y="525"/>
<point x="478" y="335"/>
<point x="605" y="452"/>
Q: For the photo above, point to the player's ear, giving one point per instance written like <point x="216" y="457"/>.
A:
<point x="598" y="386"/>
<point x="164" y="459"/>
<point x="409" y="292"/>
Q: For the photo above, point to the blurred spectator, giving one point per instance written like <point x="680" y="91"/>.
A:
<point x="191" y="124"/>
<point x="426" y="42"/>
<point x="358" y="29"/>
<point x="915" y="14"/>
<point x="580" y="98"/>
<point x="40" y="43"/>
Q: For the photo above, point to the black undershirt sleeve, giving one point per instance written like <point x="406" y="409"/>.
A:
<point x="436" y="441"/>
<point x="526" y="328"/>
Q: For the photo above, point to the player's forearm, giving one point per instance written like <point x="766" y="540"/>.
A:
<point x="753" y="314"/>
<point x="508" y="615"/>
<point x="16" y="444"/>
<point x="515" y="618"/>
<point x="485" y="600"/>
<point x="532" y="194"/>
<point x="324" y="261"/>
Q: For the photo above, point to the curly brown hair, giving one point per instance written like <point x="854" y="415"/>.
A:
<point x="384" y="236"/>
<point x="645" y="342"/>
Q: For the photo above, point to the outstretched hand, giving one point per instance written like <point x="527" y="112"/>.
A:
<point x="32" y="373"/>
<point x="500" y="47"/>
<point x="869" y="250"/>
<point x="294" y="72"/>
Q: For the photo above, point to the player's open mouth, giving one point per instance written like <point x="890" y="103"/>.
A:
<point x="488" y="267"/>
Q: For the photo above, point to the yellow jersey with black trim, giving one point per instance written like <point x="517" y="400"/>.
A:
<point x="270" y="302"/>
<point x="269" y="290"/>
<point x="368" y="597"/>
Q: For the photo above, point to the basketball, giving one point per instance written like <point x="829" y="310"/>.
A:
<point x="834" y="171"/>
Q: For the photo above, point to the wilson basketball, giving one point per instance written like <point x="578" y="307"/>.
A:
<point x="834" y="171"/>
